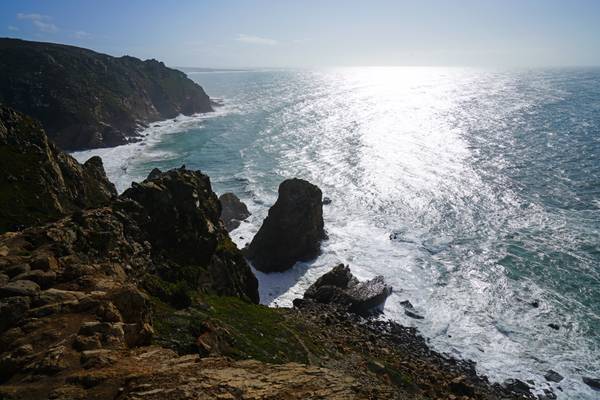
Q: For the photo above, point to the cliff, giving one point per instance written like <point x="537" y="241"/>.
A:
<point x="147" y="297"/>
<point x="38" y="183"/>
<point x="86" y="99"/>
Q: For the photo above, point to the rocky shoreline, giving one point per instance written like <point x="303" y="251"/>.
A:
<point x="85" y="99"/>
<point x="144" y="295"/>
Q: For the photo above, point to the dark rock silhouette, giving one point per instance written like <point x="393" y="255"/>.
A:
<point x="85" y="99"/>
<point x="553" y="376"/>
<point x="181" y="219"/>
<point x="340" y="287"/>
<point x="594" y="383"/>
<point x="233" y="211"/>
<point x="39" y="183"/>
<point x="292" y="231"/>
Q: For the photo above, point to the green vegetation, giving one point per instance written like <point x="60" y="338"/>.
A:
<point x="240" y="329"/>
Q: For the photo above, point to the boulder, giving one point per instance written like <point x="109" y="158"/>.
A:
<point x="43" y="278"/>
<point x="517" y="386"/>
<point x="553" y="376"/>
<point x="19" y="288"/>
<point x="594" y="383"/>
<point x="155" y="173"/>
<point x="341" y="288"/>
<point x="293" y="229"/>
<point x="233" y="210"/>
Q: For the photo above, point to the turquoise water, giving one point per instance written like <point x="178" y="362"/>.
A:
<point x="487" y="181"/>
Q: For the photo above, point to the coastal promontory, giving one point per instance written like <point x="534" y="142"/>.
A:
<point x="86" y="99"/>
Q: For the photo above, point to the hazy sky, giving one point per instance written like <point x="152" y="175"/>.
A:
<point x="302" y="33"/>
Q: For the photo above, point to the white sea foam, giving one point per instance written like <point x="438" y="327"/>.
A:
<point x="121" y="163"/>
<point x="439" y="158"/>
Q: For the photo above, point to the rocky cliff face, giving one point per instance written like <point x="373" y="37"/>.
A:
<point x="147" y="297"/>
<point x="85" y="99"/>
<point x="38" y="183"/>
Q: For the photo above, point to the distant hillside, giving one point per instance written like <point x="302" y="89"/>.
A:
<point x="86" y="99"/>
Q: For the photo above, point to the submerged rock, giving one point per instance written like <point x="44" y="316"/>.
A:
<point x="554" y="326"/>
<point x="233" y="211"/>
<point x="553" y="376"/>
<point x="292" y="231"/>
<point x="412" y="314"/>
<point x="594" y="383"/>
<point x="340" y="287"/>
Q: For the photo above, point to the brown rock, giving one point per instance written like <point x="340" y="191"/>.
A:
<point x="19" y="288"/>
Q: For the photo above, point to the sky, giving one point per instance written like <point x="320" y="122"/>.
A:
<point x="307" y="33"/>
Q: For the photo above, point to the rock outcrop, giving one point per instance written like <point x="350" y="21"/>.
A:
<point x="76" y="292"/>
<point x="38" y="183"/>
<point x="147" y="297"/>
<point x="86" y="99"/>
<point x="293" y="229"/>
<point x="181" y="218"/>
<point x="233" y="211"/>
<point x="341" y="288"/>
<point x="79" y="290"/>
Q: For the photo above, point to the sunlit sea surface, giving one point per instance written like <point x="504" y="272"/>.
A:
<point x="487" y="181"/>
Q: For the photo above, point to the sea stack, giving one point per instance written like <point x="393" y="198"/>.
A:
<point x="293" y="229"/>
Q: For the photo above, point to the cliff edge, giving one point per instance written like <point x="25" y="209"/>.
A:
<point x="85" y="99"/>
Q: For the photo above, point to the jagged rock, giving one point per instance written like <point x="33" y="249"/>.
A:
<point x="292" y="231"/>
<point x="85" y="99"/>
<point x="407" y="304"/>
<point x="155" y="173"/>
<point x="49" y="184"/>
<point x="340" y="287"/>
<point x="553" y="376"/>
<point x="594" y="383"/>
<point x="180" y="217"/>
<point x="517" y="386"/>
<point x="340" y="276"/>
<point x="233" y="211"/>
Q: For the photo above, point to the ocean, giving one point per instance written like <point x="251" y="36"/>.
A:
<point x="475" y="193"/>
